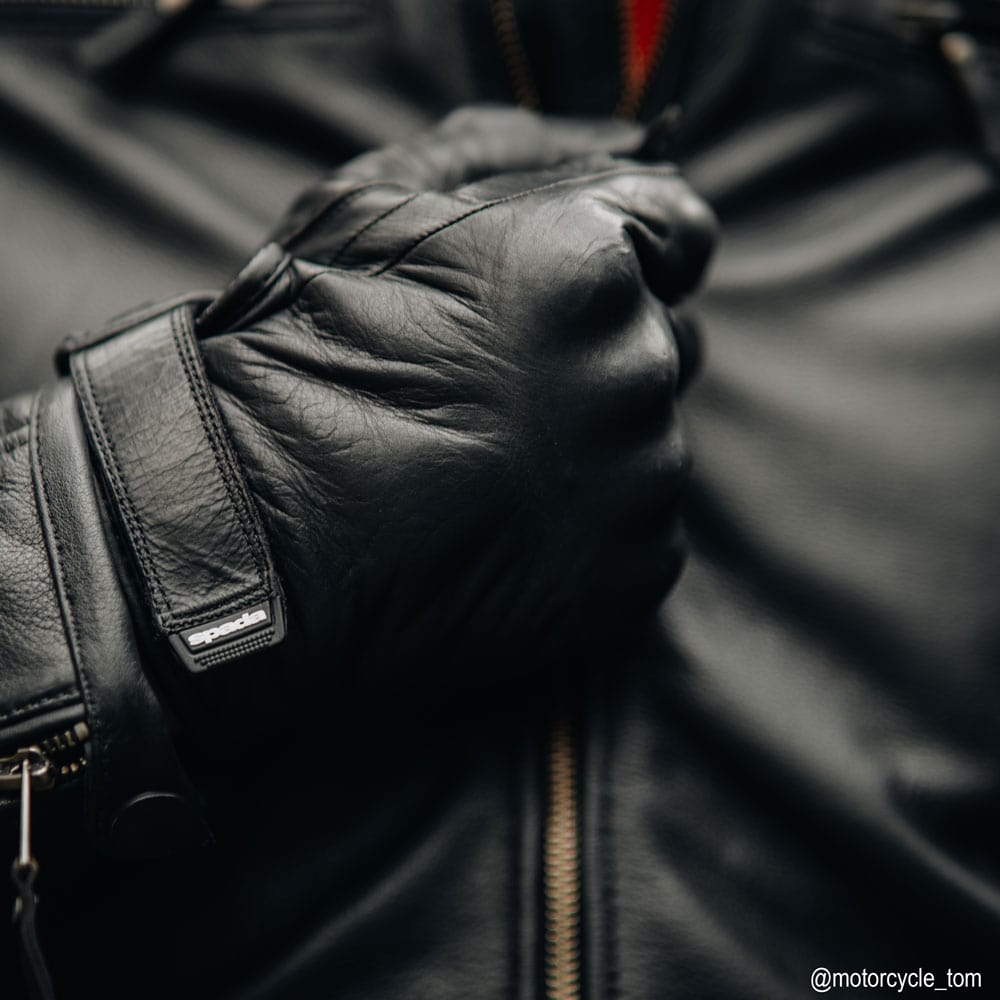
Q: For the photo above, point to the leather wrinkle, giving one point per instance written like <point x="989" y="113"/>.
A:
<point x="151" y="183"/>
<point x="820" y="606"/>
<point x="15" y="440"/>
<point x="267" y="286"/>
<point x="207" y="324"/>
<point x="410" y="408"/>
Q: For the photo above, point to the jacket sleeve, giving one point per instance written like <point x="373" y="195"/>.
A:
<point x="72" y="681"/>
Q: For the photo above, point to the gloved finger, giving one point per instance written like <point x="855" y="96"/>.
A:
<point x="467" y="145"/>
<point x="672" y="230"/>
<point x="653" y="214"/>
<point x="379" y="223"/>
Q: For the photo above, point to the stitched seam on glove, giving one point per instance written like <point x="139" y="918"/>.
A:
<point x="370" y="224"/>
<point x="330" y="209"/>
<point x="213" y="432"/>
<point x="118" y="485"/>
<point x="239" y="504"/>
<point x="563" y="181"/>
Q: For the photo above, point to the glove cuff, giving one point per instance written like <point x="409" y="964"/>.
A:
<point x="177" y="491"/>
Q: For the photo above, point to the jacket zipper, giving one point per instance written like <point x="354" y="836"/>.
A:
<point x="561" y="865"/>
<point x="522" y="82"/>
<point x="31" y="769"/>
<point x="515" y="55"/>
<point x="633" y="92"/>
<point x="51" y="760"/>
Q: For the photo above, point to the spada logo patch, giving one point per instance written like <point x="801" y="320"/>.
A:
<point x="227" y="628"/>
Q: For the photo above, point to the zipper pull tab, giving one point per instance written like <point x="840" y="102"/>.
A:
<point x="23" y="872"/>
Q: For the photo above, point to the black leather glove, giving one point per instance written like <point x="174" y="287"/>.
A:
<point x="455" y="410"/>
<point x="439" y="415"/>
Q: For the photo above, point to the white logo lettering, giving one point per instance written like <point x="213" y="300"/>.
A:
<point x="209" y="635"/>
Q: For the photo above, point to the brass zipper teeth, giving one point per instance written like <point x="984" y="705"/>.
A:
<point x="522" y="81"/>
<point x="66" y="749"/>
<point x="562" y="882"/>
<point x="515" y="55"/>
<point x="631" y="98"/>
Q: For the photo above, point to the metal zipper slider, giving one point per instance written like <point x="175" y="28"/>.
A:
<point x="26" y="767"/>
<point x="40" y="769"/>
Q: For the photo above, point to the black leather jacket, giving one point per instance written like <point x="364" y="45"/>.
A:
<point x="797" y="767"/>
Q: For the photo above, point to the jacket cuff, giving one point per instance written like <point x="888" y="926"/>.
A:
<point x="71" y="674"/>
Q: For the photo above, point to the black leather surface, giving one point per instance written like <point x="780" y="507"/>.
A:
<point x="808" y="759"/>
<point x="801" y="767"/>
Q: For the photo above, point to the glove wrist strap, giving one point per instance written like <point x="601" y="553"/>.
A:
<point x="171" y="476"/>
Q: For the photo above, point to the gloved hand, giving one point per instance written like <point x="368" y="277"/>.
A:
<point x="454" y="406"/>
<point x="447" y="428"/>
<point x="439" y="411"/>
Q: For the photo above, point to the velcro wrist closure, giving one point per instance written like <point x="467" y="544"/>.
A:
<point x="172" y="477"/>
